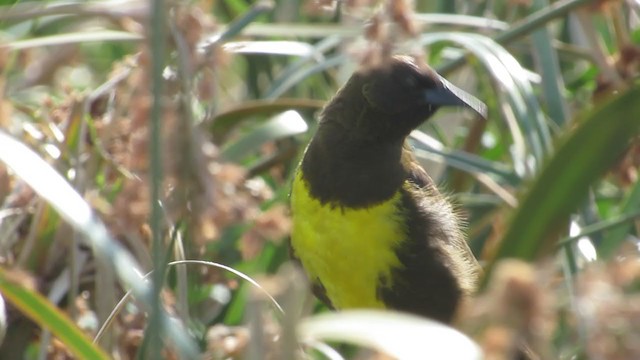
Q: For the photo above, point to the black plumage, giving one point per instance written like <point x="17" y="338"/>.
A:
<point x="360" y="158"/>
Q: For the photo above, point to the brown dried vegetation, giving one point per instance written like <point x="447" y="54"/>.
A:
<point x="98" y="138"/>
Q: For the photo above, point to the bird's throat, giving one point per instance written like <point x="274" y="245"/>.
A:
<point x="348" y="174"/>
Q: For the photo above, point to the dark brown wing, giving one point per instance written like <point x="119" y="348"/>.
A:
<point x="438" y="269"/>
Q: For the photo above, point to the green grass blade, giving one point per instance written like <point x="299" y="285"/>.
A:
<point x="618" y="223"/>
<point x="525" y="27"/>
<point x="513" y="85"/>
<point x="534" y="122"/>
<point x="275" y="47"/>
<point x="295" y="78"/>
<point x="617" y="236"/>
<point x="425" y="145"/>
<point x="286" y="124"/>
<point x="549" y="68"/>
<point x="565" y="179"/>
<point x="73" y="38"/>
<point x="227" y="120"/>
<point x="300" y="30"/>
<point x="51" y="186"/>
<point x="45" y="314"/>
<point x="249" y="16"/>
<point x="457" y="20"/>
<point x="400" y="335"/>
<point x="318" y="55"/>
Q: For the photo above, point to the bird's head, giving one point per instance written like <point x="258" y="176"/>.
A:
<point x="401" y="94"/>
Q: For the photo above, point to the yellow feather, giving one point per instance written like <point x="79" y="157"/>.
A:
<point x="348" y="250"/>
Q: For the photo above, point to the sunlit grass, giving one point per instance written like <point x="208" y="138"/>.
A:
<point x="240" y="93"/>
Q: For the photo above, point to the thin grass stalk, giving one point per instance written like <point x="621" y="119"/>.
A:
<point x="523" y="28"/>
<point x="549" y="68"/>
<point x="157" y="37"/>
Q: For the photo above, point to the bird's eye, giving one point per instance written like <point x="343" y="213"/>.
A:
<point x="410" y="82"/>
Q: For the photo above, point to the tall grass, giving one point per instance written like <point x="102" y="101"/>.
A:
<point x="150" y="136"/>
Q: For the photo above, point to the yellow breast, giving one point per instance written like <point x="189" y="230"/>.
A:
<point x="348" y="250"/>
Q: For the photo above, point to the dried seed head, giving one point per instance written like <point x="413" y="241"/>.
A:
<point x="401" y="12"/>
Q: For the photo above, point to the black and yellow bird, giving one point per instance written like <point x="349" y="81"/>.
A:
<point x="370" y="228"/>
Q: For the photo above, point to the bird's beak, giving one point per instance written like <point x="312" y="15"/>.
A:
<point x="451" y="95"/>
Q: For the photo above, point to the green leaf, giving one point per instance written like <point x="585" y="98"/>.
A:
<point x="288" y="123"/>
<point x="547" y="62"/>
<point x="426" y="147"/>
<point x="562" y="185"/>
<point x="290" y="48"/>
<point x="241" y="22"/>
<point x="70" y="205"/>
<point x="225" y="121"/>
<point x="74" y="38"/>
<point x="289" y="80"/>
<point x="300" y="69"/>
<point x="522" y="116"/>
<point x="620" y="224"/>
<point x="45" y="314"/>
<point x="617" y="236"/>
<point x="402" y="336"/>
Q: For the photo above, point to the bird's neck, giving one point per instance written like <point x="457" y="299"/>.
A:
<point x="346" y="172"/>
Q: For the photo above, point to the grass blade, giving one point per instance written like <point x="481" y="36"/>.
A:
<point x="71" y="206"/>
<point x="402" y="336"/>
<point x="563" y="184"/>
<point x="41" y="311"/>
<point x="226" y="121"/>
<point x="288" y="123"/>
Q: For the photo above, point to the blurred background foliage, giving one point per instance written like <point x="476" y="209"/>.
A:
<point x="140" y="135"/>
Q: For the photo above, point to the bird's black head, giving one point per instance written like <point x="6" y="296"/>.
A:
<point x="399" y="87"/>
<point x="397" y="97"/>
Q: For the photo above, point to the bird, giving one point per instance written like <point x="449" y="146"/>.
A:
<point x="370" y="228"/>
